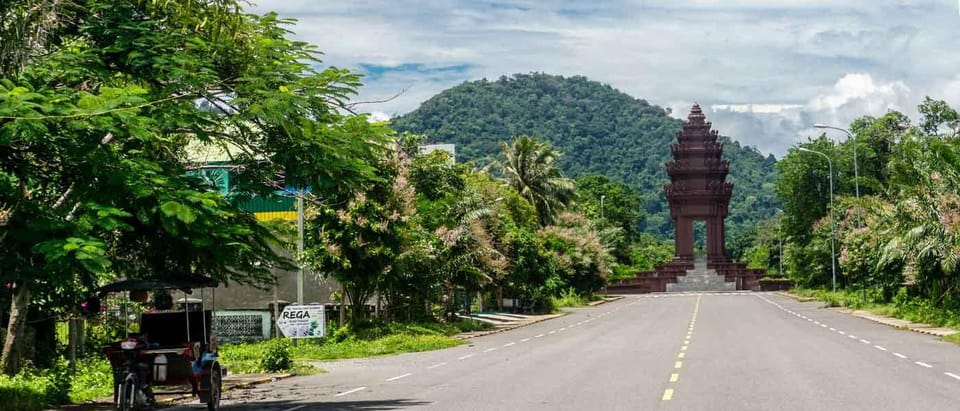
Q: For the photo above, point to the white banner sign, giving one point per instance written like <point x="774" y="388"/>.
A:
<point x="302" y="321"/>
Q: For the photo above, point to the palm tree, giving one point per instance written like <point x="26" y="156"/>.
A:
<point x="926" y="216"/>
<point x="531" y="169"/>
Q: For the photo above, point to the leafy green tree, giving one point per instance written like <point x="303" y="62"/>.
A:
<point x="621" y="204"/>
<point x="530" y="168"/>
<point x="358" y="236"/>
<point x="934" y="113"/>
<point x="578" y="255"/>
<point x="97" y="111"/>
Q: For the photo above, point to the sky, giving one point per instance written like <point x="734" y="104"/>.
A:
<point x="764" y="71"/>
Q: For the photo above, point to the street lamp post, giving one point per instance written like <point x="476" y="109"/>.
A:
<point x="856" y="173"/>
<point x="780" y="238"/>
<point x="602" y="196"/>
<point x="833" y="224"/>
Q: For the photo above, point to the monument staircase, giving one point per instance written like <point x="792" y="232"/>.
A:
<point x="701" y="278"/>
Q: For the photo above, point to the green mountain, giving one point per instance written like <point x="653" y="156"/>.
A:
<point x="599" y="129"/>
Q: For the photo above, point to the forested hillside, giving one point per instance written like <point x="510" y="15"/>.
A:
<point x="599" y="129"/>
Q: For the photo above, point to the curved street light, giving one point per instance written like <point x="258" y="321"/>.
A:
<point x="856" y="173"/>
<point x="833" y="224"/>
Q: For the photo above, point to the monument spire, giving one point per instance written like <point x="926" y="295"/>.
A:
<point x="698" y="190"/>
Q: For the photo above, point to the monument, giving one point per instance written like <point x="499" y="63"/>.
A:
<point x="697" y="191"/>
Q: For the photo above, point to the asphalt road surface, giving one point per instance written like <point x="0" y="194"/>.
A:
<point x="739" y="351"/>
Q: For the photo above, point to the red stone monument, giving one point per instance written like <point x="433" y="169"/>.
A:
<point x="697" y="191"/>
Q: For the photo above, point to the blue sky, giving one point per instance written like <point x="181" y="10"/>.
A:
<point x="765" y="71"/>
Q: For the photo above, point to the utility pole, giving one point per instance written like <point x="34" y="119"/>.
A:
<point x="300" y="245"/>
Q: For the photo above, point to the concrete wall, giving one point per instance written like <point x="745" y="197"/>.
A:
<point x="236" y="297"/>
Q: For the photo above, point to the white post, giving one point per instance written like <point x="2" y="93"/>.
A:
<point x="601" y="205"/>
<point x="300" y="246"/>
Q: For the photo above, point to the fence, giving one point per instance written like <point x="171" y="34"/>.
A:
<point x="236" y="326"/>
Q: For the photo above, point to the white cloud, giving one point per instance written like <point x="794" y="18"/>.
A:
<point x="767" y="69"/>
<point x="377" y="116"/>
<point x="860" y="88"/>
<point x="755" y="108"/>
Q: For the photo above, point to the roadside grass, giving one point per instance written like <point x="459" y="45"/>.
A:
<point x="368" y="339"/>
<point x="93" y="379"/>
<point x="902" y="307"/>
<point x="34" y="389"/>
<point x="570" y="298"/>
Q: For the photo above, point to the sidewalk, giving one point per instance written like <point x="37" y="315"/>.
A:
<point x="503" y="321"/>
<point x="880" y="319"/>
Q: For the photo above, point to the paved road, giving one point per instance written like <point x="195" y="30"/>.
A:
<point x="746" y="351"/>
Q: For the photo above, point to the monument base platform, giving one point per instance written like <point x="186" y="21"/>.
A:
<point x="684" y="275"/>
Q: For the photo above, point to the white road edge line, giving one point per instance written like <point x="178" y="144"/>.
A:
<point x="900" y="355"/>
<point x="952" y="375"/>
<point x="400" y="376"/>
<point x="923" y="364"/>
<point x="350" y="392"/>
<point x="295" y="408"/>
<point x="436" y="365"/>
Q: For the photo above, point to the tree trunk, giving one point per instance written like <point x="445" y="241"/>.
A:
<point x="81" y="336"/>
<point x="500" y="297"/>
<point x="73" y="335"/>
<point x="10" y="360"/>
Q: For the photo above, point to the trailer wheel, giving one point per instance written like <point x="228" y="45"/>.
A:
<point x="216" y="387"/>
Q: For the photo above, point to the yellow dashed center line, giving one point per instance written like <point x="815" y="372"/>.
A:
<point x="675" y="377"/>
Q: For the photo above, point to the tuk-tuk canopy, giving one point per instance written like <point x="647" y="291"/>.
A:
<point x="160" y="283"/>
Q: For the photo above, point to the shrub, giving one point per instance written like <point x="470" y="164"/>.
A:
<point x="34" y="389"/>
<point x="276" y="355"/>
<point x="23" y="393"/>
<point x="93" y="379"/>
<point x="569" y="298"/>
